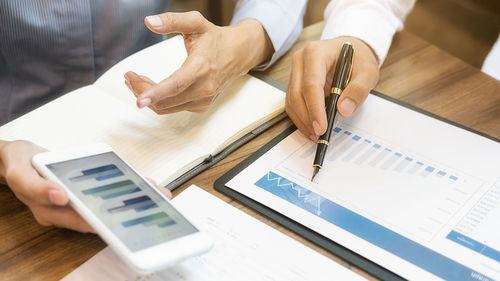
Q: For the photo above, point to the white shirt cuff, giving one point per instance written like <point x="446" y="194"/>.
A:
<point x="282" y="20"/>
<point x="373" y="21"/>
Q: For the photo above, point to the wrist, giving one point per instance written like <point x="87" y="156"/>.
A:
<point x="255" y="47"/>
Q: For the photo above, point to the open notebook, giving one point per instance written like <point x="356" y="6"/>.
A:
<point x="160" y="147"/>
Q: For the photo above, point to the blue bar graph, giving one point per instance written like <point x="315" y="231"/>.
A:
<point x="160" y="219"/>
<point x="367" y="154"/>
<point x="358" y="150"/>
<point x="427" y="171"/>
<point x="100" y="173"/>
<point x="380" y="157"/>
<point x="403" y="164"/>
<point x="113" y="190"/>
<point x="415" y="167"/>
<point x="441" y="174"/>
<point x="394" y="157"/>
<point x="360" y="147"/>
<point x="343" y="148"/>
<point x="140" y="203"/>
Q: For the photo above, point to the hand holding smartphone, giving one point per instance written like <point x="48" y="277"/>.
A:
<point x="134" y="218"/>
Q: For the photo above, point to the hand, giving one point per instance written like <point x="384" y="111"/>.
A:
<point x="216" y="56"/>
<point x="47" y="200"/>
<point x="311" y="78"/>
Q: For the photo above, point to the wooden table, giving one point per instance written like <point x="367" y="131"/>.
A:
<point x="414" y="72"/>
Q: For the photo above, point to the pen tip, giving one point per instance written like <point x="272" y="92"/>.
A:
<point x="315" y="171"/>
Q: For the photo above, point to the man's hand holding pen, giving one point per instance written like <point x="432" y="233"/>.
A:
<point x="311" y="78"/>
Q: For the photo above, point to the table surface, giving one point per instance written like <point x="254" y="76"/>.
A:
<point x="414" y="72"/>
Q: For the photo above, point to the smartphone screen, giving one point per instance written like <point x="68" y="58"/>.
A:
<point x="127" y="205"/>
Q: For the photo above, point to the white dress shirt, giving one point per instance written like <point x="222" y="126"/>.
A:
<point x="376" y="21"/>
<point x="373" y="21"/>
<point x="282" y="20"/>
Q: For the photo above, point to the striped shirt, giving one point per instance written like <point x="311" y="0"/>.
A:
<point x="51" y="47"/>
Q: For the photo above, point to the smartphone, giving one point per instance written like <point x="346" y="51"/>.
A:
<point x="127" y="212"/>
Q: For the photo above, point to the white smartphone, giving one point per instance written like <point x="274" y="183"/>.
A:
<point x="127" y="212"/>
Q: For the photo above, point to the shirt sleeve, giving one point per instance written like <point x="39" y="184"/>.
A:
<point x="374" y="21"/>
<point x="281" y="19"/>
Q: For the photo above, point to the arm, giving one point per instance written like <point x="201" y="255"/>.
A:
<point x="261" y="32"/>
<point x="369" y="26"/>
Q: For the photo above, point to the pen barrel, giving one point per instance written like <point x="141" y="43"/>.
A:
<point x="343" y="69"/>
<point x="324" y="140"/>
<point x="320" y="155"/>
<point x="331" y="111"/>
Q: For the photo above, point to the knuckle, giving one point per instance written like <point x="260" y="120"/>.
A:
<point x="210" y="89"/>
<point x="311" y="47"/>
<point x="196" y="14"/>
<point x="310" y="87"/>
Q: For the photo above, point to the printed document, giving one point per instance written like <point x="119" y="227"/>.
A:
<point x="413" y="194"/>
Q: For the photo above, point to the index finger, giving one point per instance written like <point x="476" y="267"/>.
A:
<point x="189" y="22"/>
<point x="313" y="85"/>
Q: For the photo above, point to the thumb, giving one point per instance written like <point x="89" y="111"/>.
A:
<point x="186" y="23"/>
<point x="356" y="91"/>
<point x="30" y="185"/>
<point x="138" y="83"/>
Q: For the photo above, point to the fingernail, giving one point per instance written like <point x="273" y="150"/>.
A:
<point x="54" y="197"/>
<point x="144" y="102"/>
<point x="317" y="129"/>
<point x="347" y="107"/>
<point x="126" y="77"/>
<point x="154" y="21"/>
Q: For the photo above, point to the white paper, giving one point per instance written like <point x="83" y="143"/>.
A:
<point x="244" y="249"/>
<point x="414" y="194"/>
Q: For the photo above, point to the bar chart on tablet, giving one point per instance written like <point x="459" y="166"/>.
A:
<point x="120" y="195"/>
<point x="412" y="185"/>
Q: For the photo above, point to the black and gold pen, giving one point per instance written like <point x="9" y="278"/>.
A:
<point x="341" y="77"/>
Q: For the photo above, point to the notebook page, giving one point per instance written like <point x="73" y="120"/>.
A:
<point x="242" y="107"/>
<point x="156" y="62"/>
<point x="88" y="115"/>
<point x="244" y="249"/>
